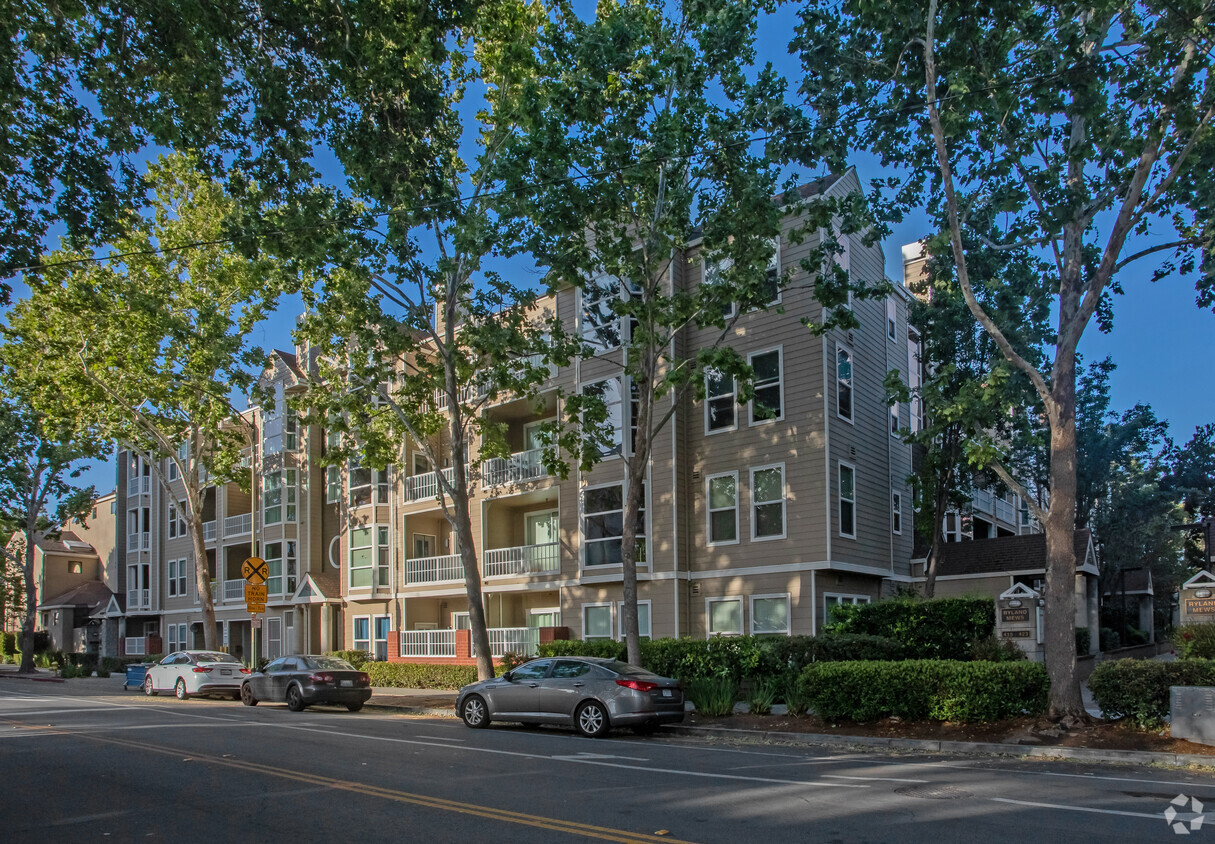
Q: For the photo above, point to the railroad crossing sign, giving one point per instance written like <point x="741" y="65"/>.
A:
<point x="255" y="594"/>
<point x="254" y="570"/>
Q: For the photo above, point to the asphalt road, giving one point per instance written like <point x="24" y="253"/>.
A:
<point x="84" y="761"/>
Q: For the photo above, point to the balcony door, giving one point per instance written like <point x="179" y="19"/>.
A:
<point x="541" y="537"/>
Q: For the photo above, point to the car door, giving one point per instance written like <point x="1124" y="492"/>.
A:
<point x="260" y="682"/>
<point x="162" y="673"/>
<point x="518" y="696"/>
<point x="280" y="676"/>
<point x="564" y="689"/>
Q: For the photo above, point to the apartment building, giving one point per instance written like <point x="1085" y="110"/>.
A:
<point x="754" y="522"/>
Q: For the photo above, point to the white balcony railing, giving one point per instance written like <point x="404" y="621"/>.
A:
<point x="426" y="485"/>
<point x="434" y="569"/>
<point x="428" y="643"/>
<point x="234" y="590"/>
<point x="523" y="466"/>
<point x="209" y="531"/>
<point x="135" y="646"/>
<point x="469" y="392"/>
<point x="238" y="525"/>
<point x="523" y="559"/>
<point x="983" y="500"/>
<point x="1005" y="512"/>
<point x="518" y="640"/>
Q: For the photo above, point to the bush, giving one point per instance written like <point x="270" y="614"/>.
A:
<point x="853" y="647"/>
<point x="1083" y="640"/>
<point x="605" y="648"/>
<point x="358" y="659"/>
<point x="117" y="664"/>
<point x="712" y="696"/>
<point x="1110" y="640"/>
<point x="919" y="690"/>
<point x="763" y="694"/>
<point x="103" y="672"/>
<point x="992" y="649"/>
<point x="410" y="675"/>
<point x="939" y="628"/>
<point x="1138" y="689"/>
<point x="1195" y="641"/>
<point x="42" y="641"/>
<point x="8" y="644"/>
<point x="512" y="660"/>
<point x="793" y="691"/>
<point x="67" y="671"/>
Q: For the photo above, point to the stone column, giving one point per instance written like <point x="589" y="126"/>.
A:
<point x="1094" y="616"/>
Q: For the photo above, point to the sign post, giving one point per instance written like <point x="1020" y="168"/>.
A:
<point x="255" y="572"/>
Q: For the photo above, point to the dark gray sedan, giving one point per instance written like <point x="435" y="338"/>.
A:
<point x="593" y="695"/>
<point x="304" y="679"/>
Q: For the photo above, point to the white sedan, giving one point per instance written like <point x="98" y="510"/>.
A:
<point x="187" y="673"/>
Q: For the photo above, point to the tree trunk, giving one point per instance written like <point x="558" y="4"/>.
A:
<point x="633" y="499"/>
<point x="462" y="522"/>
<point x="31" y="603"/>
<point x="939" y="505"/>
<point x="1060" y="610"/>
<point x="203" y="580"/>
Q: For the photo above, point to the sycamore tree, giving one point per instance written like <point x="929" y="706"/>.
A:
<point x="150" y="350"/>
<point x="646" y="126"/>
<point x="415" y="330"/>
<point x="1078" y="132"/>
<point x="40" y="461"/>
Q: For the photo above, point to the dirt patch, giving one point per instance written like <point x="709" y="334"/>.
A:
<point x="1103" y="735"/>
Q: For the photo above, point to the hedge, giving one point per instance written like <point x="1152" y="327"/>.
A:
<point x="939" y="628"/>
<point x="1195" y="641"/>
<point x="918" y="690"/>
<point x="358" y="659"/>
<point x="1138" y="689"/>
<point x="408" y="675"/>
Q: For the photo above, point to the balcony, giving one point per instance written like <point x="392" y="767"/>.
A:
<point x="428" y="643"/>
<point x="135" y="646"/>
<point x="523" y="559"/>
<point x="468" y="393"/>
<point x="139" y="599"/>
<point x="234" y="590"/>
<point x="209" y="531"/>
<point x="517" y="640"/>
<point x="238" y="525"/>
<point x="424" y="486"/>
<point x="523" y="466"/>
<point x="139" y="485"/>
<point x="434" y="569"/>
<point x="983" y="501"/>
<point x="1005" y="512"/>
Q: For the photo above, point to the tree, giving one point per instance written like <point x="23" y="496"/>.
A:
<point x="1190" y="479"/>
<point x="1079" y="133"/>
<point x="38" y="463"/>
<point x="150" y="350"/>
<point x="641" y="133"/>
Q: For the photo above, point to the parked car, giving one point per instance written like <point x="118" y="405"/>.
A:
<point x="304" y="679"/>
<point x="187" y="673"/>
<point x="593" y="695"/>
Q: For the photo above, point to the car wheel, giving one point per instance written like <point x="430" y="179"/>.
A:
<point x="591" y="719"/>
<point x="354" y="707"/>
<point x="148" y="688"/>
<point x="180" y="690"/>
<point x="295" y="700"/>
<point x="474" y="712"/>
<point x="246" y="695"/>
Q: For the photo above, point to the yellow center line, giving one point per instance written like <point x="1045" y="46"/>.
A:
<point x="554" y="824"/>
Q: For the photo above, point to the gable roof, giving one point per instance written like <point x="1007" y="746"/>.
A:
<point x="67" y="543"/>
<point x="1136" y="582"/>
<point x="1004" y="554"/>
<point x="319" y="587"/>
<point x="90" y="595"/>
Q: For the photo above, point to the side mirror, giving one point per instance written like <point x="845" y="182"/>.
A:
<point x="506" y="676"/>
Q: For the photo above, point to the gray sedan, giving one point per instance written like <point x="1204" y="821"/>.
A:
<point x="593" y="695"/>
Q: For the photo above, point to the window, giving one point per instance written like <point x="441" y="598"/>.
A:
<point x="770" y="614"/>
<point x="596" y="621"/>
<point x="847" y="490"/>
<point x="360" y="484"/>
<point x="767" y="405"/>
<point x="383" y="624"/>
<point x="725" y="616"/>
<point x="381" y="486"/>
<point x="609" y="432"/>
<point x="844" y="258"/>
<point x="600" y="326"/>
<point x="75" y="567"/>
<point x="172" y="585"/>
<point x="181" y="576"/>
<point x="713" y="277"/>
<point x="719" y="401"/>
<point x="722" y="494"/>
<point x="634" y="414"/>
<point x="173" y="642"/>
<point x="547" y="617"/>
<point x="272" y="424"/>
<point x="768" y="502"/>
<point x="534" y="670"/>
<point x="177" y="521"/>
<point x="830" y="602"/>
<point x="369" y="557"/>
<point x="896" y="512"/>
<point x="290" y="430"/>
<point x="362" y="633"/>
<point x="603" y="526"/>
<point x="274" y="564"/>
<point x="171" y="470"/>
<point x="292" y="568"/>
<point x="894" y="419"/>
<point x="892" y="324"/>
<point x="272" y="498"/>
<point x="914" y="383"/>
<point x="333" y="484"/>
<point x="644" y="629"/>
<point x="772" y="274"/>
<point x="843" y="377"/>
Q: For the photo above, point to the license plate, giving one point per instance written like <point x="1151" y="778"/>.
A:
<point x="227" y="672"/>
<point x="348" y="682"/>
<point x="666" y="692"/>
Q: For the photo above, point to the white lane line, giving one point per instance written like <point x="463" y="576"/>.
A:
<point x="1116" y="779"/>
<point x="83" y="819"/>
<point x="1156" y="817"/>
<point x="38" y="713"/>
<point x="866" y="779"/>
<point x="579" y="757"/>
<point x="440" y="738"/>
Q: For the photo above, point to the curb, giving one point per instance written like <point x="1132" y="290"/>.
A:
<point x="937" y="746"/>
<point x="10" y="675"/>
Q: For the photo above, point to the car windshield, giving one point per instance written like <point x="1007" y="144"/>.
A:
<point x="215" y="657"/>
<point x="627" y="669"/>
<point x="330" y="662"/>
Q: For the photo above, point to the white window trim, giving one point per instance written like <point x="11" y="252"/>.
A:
<point x="333" y="492"/>
<point x="788" y="614"/>
<point x="892" y="319"/>
<point x="894" y="417"/>
<point x="172" y="578"/>
<point x="852" y="362"/>
<point x="580" y="314"/>
<point x="742" y="622"/>
<point x="544" y="611"/>
<point x="840" y="596"/>
<point x="709" y="511"/>
<point x="780" y="385"/>
<point x="611" y="620"/>
<point x="375" y="556"/>
<point x="353" y="622"/>
<point x="839" y="492"/>
<point x="625" y="410"/>
<point x="733" y="426"/>
<point x="896" y="509"/>
<point x="724" y="264"/>
<point x="784" y="502"/>
<point x="649" y="634"/>
<point x="645" y="505"/>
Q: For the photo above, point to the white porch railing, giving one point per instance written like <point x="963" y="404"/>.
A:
<point x="523" y="559"/>
<point x="135" y="646"/>
<point x="426" y="485"/>
<point x="434" y="569"/>
<point x="519" y="640"/>
<point x="523" y="466"/>
<point x="209" y="531"/>
<point x="238" y="525"/>
<point x="234" y="590"/>
<point x="428" y="643"/>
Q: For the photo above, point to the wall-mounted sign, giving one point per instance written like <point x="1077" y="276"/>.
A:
<point x="1200" y="606"/>
<point x="1203" y="593"/>
<point x="1014" y="615"/>
<point x="1016" y="634"/>
<point x="1014" y="603"/>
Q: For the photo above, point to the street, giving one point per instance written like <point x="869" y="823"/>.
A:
<point x="84" y="761"/>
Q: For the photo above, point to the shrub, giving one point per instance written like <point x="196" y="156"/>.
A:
<point x="419" y="675"/>
<point x="1083" y="640"/>
<point x="917" y="690"/>
<point x="845" y="647"/>
<point x="512" y="660"/>
<point x="606" y="648"/>
<point x="358" y="659"/>
<point x="712" y="696"/>
<point x="42" y="640"/>
<point x="763" y="695"/>
<point x="1195" y="641"/>
<point x="119" y="663"/>
<point x="8" y="644"/>
<point x="1135" y="636"/>
<point x="1138" y="689"/>
<point x="1110" y="640"/>
<point x="992" y="649"/>
<point x="794" y="693"/>
<point x="67" y="671"/>
<point x="103" y="672"/>
<point x="939" y="628"/>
